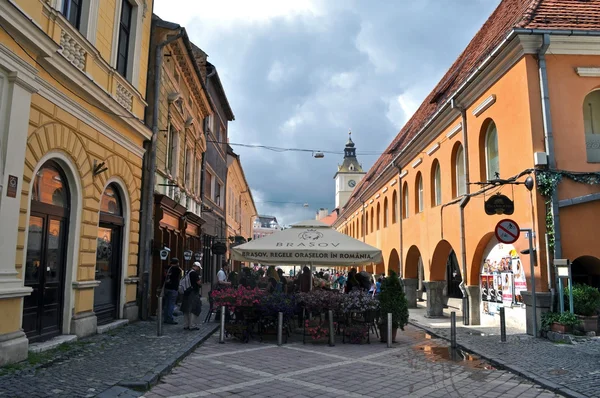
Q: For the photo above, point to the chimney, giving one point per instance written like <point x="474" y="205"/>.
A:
<point x="322" y="213"/>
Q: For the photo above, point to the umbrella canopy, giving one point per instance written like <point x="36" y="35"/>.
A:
<point x="307" y="242"/>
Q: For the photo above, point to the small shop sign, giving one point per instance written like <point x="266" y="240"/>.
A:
<point x="499" y="204"/>
<point x="13" y="183"/>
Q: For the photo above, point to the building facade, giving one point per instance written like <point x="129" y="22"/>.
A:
<point x="348" y="175"/>
<point x="183" y="106"/>
<point x="241" y="210"/>
<point x="72" y="100"/>
<point x="214" y="234"/>
<point x="505" y="110"/>
<point x="264" y="226"/>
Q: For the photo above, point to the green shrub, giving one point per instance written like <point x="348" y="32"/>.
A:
<point x="568" y="319"/>
<point x="392" y="299"/>
<point x="548" y="318"/>
<point x="586" y="299"/>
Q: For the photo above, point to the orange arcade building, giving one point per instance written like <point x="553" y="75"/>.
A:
<point x="522" y="100"/>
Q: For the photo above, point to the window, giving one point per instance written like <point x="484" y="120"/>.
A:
<point x="419" y="193"/>
<point x="591" y="124"/>
<point x="367" y="224"/>
<point x="492" y="163"/>
<point x="386" y="212"/>
<point x="172" y="141"/>
<point x="437" y="185"/>
<point x="208" y="185"/>
<point x="459" y="170"/>
<point x="405" y="201"/>
<point x="378" y="216"/>
<point x="394" y="207"/>
<point x="198" y="175"/>
<point x="218" y="194"/>
<point x="72" y="11"/>
<point x="372" y="217"/>
<point x="189" y="162"/>
<point x="124" y="37"/>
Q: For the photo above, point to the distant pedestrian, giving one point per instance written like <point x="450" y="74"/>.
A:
<point x="222" y="276"/>
<point x="171" y="285"/>
<point x="191" y="305"/>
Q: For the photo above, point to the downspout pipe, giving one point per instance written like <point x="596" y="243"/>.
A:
<point x="463" y="254"/>
<point x="549" y="140"/>
<point x="400" y="215"/>
<point x="151" y="176"/>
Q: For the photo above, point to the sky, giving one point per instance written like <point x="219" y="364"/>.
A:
<point x="301" y="73"/>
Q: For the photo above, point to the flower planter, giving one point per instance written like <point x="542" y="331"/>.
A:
<point x="383" y="333"/>
<point x="589" y="323"/>
<point x="560" y="328"/>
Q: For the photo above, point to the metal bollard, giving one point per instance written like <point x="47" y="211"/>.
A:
<point x="453" y="330"/>
<point x="331" y="330"/>
<point x="222" y="334"/>
<point x="279" y="328"/>
<point x="389" y="330"/>
<point x="159" y="316"/>
<point x="502" y="325"/>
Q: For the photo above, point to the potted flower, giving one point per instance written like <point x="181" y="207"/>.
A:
<point x="586" y="303"/>
<point x="359" y="309"/>
<point x="565" y="323"/>
<point x="392" y="300"/>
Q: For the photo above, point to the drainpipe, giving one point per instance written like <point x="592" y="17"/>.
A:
<point x="148" y="192"/>
<point x="364" y="227"/>
<point x="549" y="142"/>
<point x="400" y="215"/>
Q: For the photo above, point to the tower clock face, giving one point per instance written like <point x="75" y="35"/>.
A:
<point x="351" y="183"/>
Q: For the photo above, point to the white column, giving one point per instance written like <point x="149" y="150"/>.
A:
<point x="19" y="84"/>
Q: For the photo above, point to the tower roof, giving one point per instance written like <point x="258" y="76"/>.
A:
<point x="350" y="143"/>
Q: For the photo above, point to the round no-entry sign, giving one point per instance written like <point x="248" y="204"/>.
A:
<point x="507" y="231"/>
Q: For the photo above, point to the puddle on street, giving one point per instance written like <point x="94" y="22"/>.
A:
<point x="436" y="353"/>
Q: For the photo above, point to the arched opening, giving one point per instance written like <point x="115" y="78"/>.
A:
<point x="394" y="207"/>
<point x="394" y="263"/>
<point x="109" y="255"/>
<point x="419" y="193"/>
<point x="459" y="177"/>
<point x="372" y="217"/>
<point x="436" y="184"/>
<point x="367" y="223"/>
<point x="586" y="270"/>
<point x="378" y="217"/>
<point x="439" y="261"/>
<point x="45" y="264"/>
<point x="591" y="123"/>
<point x="411" y="266"/>
<point x="386" y="212"/>
<point x="488" y="146"/>
<point x="405" y="199"/>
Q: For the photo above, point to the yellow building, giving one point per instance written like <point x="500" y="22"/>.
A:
<point x="241" y="210"/>
<point x="72" y="100"/>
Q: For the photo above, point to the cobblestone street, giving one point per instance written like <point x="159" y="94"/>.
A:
<point x="416" y="366"/>
<point x="573" y="369"/>
<point x="113" y="364"/>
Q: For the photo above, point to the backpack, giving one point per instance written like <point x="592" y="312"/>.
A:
<point x="184" y="283"/>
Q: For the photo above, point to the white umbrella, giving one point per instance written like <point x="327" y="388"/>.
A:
<point x="308" y="242"/>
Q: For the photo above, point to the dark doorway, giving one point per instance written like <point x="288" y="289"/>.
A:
<point x="46" y="252"/>
<point x="108" y="256"/>
<point x="453" y="276"/>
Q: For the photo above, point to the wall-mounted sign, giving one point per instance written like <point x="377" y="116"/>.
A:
<point x="507" y="231"/>
<point x="13" y="183"/>
<point x="198" y="256"/>
<point x="499" y="204"/>
<point x="187" y="255"/>
<point x="164" y="253"/>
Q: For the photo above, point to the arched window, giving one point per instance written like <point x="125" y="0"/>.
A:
<point x="591" y="124"/>
<point x="436" y="184"/>
<point x="358" y="230"/>
<point x="492" y="160"/>
<point x="460" y="176"/>
<point x="372" y="217"/>
<point x="367" y="223"/>
<point x="378" y="223"/>
<point x="405" y="201"/>
<point x="419" y="192"/>
<point x="386" y="213"/>
<point x="394" y="207"/>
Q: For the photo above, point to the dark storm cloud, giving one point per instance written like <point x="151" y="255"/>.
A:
<point x="301" y="81"/>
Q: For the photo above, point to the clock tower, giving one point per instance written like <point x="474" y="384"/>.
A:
<point x="348" y="175"/>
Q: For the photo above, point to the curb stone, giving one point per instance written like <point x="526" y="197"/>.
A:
<point x="151" y="378"/>
<point x="542" y="381"/>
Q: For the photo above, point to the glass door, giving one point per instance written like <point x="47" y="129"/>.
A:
<point x="106" y="295"/>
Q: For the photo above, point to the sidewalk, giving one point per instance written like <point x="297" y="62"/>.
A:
<point x="571" y="370"/>
<point x="120" y="363"/>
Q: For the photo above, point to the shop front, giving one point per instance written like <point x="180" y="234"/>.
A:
<point x="502" y="282"/>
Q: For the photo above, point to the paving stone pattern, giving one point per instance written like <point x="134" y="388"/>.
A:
<point x="573" y="369"/>
<point x="414" y="367"/>
<point x="114" y="364"/>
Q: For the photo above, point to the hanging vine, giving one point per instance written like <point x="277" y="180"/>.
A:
<point x="547" y="184"/>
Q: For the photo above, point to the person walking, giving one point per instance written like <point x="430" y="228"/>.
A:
<point x="191" y="305"/>
<point x="222" y="276"/>
<point x="171" y="285"/>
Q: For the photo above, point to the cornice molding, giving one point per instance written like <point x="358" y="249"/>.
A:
<point x="417" y="162"/>
<point x="484" y="105"/>
<point x="454" y="131"/>
<point x="588" y="72"/>
<point x="78" y="285"/>
<point x="433" y="149"/>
